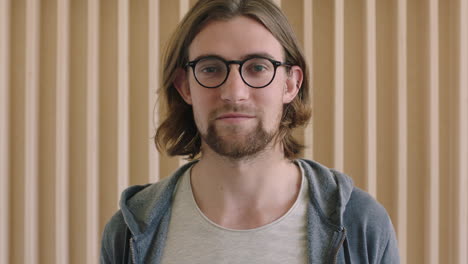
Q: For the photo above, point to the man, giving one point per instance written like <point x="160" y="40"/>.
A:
<point x="235" y="85"/>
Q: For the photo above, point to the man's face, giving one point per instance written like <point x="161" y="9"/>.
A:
<point x="235" y="120"/>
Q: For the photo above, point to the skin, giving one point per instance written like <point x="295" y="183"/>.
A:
<point x="252" y="190"/>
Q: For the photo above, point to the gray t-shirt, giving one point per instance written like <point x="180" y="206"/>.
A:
<point x="193" y="238"/>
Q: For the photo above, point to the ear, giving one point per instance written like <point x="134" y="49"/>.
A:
<point x="293" y="84"/>
<point x="182" y="85"/>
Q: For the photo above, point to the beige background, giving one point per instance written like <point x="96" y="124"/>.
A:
<point x="78" y="84"/>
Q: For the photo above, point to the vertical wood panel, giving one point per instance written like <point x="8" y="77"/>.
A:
<point x="322" y="81"/>
<point x="308" y="52"/>
<point x="448" y="176"/>
<point x="31" y="247"/>
<point x="92" y="133"/>
<point x="47" y="133"/>
<point x="354" y="92"/>
<point x="153" y="75"/>
<point x="123" y="105"/>
<point x="462" y="135"/>
<point x="432" y="193"/>
<point x="402" y="172"/>
<point x="62" y="140"/>
<point x="371" y="98"/>
<point x="338" y="134"/>
<point x="17" y="122"/>
<point x="4" y="130"/>
<point x="387" y="105"/>
<point x="78" y="195"/>
<point x="418" y="128"/>
<point x="109" y="182"/>
<point x="139" y="95"/>
<point x="183" y="8"/>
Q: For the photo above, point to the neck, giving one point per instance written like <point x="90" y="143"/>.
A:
<point x="224" y="187"/>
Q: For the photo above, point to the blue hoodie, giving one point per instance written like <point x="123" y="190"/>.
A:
<point x="345" y="224"/>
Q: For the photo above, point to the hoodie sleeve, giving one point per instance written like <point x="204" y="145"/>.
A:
<point x="113" y="240"/>
<point x="371" y="235"/>
<point x="106" y="248"/>
<point x="105" y="258"/>
<point x="391" y="254"/>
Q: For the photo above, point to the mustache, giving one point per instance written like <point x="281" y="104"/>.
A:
<point x="232" y="109"/>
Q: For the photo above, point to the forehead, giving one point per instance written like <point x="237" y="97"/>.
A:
<point x="234" y="39"/>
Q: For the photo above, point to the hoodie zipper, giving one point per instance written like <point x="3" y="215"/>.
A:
<point x="132" y="253"/>
<point x="340" y="244"/>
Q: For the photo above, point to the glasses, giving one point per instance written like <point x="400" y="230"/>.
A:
<point x="213" y="71"/>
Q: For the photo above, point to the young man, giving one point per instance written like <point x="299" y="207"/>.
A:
<point x="235" y="86"/>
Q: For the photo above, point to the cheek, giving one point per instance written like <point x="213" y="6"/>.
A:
<point x="202" y="103"/>
<point x="272" y="108"/>
<point x="201" y="107"/>
<point x="199" y="111"/>
<point x="200" y="119"/>
<point x="200" y="95"/>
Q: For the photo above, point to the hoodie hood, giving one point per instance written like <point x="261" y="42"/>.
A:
<point x="143" y="206"/>
<point x="329" y="191"/>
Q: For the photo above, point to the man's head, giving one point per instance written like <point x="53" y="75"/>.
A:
<point x="239" y="108"/>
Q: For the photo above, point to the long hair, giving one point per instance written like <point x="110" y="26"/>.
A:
<point x="178" y="134"/>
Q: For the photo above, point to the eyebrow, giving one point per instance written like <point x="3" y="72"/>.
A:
<point x="245" y="57"/>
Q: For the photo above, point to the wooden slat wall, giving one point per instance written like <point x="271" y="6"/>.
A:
<point x="371" y="97"/>
<point x="4" y="129"/>
<point x="338" y="86"/>
<point x="432" y="192"/>
<point x="123" y="96"/>
<point x="62" y="150"/>
<point x="462" y="154"/>
<point x="78" y="110"/>
<point x="153" y="79"/>
<point x="91" y="140"/>
<point x="308" y="25"/>
<point x="31" y="133"/>
<point x="401" y="192"/>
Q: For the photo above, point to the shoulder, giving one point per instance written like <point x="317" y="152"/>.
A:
<point x="363" y="207"/>
<point x="137" y="203"/>
<point x="113" y="239"/>
<point x="370" y="229"/>
<point x="141" y="210"/>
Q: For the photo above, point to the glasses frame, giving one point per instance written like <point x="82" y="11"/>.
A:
<point x="275" y="63"/>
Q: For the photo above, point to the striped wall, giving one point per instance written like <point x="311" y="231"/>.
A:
<point x="78" y="105"/>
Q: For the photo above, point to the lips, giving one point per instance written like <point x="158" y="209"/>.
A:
<point x="234" y="116"/>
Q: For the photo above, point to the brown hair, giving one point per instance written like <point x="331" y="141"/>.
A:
<point x="178" y="134"/>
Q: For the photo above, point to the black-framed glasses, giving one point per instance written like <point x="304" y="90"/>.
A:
<point x="213" y="71"/>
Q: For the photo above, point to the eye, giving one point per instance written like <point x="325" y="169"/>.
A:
<point x="210" y="69"/>
<point x="258" y="68"/>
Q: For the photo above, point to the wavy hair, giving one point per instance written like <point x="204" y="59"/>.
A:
<point x="178" y="134"/>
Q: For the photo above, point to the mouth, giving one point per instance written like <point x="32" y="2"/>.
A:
<point x="234" y="117"/>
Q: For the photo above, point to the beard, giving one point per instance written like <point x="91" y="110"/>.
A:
<point x="235" y="143"/>
<point x="251" y="144"/>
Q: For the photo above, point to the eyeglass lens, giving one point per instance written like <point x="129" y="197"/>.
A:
<point x="256" y="72"/>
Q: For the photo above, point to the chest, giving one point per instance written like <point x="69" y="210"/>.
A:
<point x="193" y="238"/>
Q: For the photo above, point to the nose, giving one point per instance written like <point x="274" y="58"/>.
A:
<point x="234" y="90"/>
